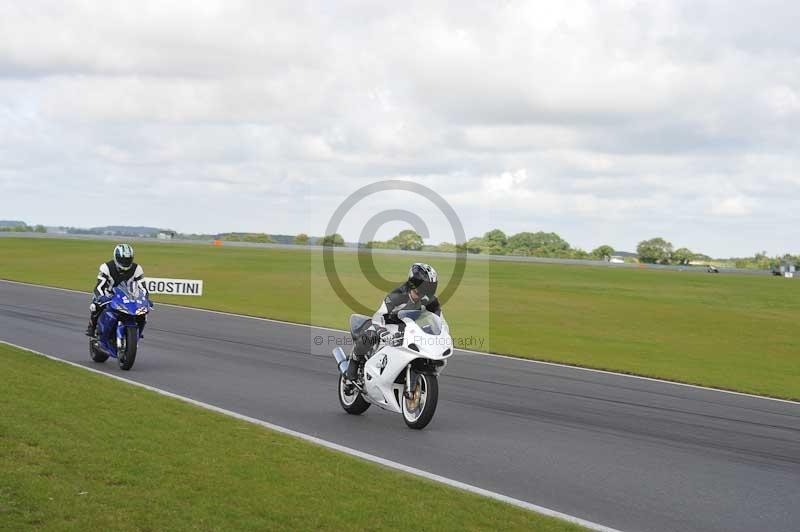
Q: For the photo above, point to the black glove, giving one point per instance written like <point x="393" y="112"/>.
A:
<point x="370" y="338"/>
<point x="390" y="338"/>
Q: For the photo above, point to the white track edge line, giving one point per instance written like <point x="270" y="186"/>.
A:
<point x="338" y="447"/>
<point x="467" y="351"/>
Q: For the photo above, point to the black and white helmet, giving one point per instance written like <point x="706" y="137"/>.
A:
<point x="123" y="257"/>
<point x="425" y="279"/>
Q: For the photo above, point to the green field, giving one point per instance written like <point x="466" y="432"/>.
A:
<point x="736" y="332"/>
<point x="79" y="451"/>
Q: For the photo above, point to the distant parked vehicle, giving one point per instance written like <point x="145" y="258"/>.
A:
<point x="616" y="260"/>
<point x="784" y="269"/>
<point x="712" y="269"/>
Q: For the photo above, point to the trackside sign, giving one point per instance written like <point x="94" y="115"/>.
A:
<point x="174" y="287"/>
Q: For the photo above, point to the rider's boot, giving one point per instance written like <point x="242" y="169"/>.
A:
<point x="363" y="346"/>
<point x="352" y="368"/>
<point x="92" y="327"/>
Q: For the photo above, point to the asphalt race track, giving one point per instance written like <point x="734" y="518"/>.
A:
<point x="632" y="454"/>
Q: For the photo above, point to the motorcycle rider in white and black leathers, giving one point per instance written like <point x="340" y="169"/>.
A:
<point x="418" y="292"/>
<point x="113" y="273"/>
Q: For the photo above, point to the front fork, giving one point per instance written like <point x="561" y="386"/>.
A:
<point x="141" y="321"/>
<point x="411" y="383"/>
<point x="121" y="327"/>
<point x="120" y="335"/>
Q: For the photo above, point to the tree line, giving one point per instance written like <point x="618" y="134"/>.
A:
<point x="494" y="242"/>
<point x="22" y="227"/>
<point x="762" y="261"/>
<point x="543" y="244"/>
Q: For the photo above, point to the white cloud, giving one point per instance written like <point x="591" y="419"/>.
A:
<point x="782" y="101"/>
<point x="507" y="184"/>
<point x="732" y="206"/>
<point x="607" y="121"/>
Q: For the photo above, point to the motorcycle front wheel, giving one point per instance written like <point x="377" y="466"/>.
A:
<point x="350" y="398"/>
<point x="418" y="411"/>
<point x="127" y="353"/>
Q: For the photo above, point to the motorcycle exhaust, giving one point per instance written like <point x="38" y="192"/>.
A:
<point x="342" y="361"/>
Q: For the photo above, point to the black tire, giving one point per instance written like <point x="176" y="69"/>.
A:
<point x="352" y="403"/>
<point x="418" y="420"/>
<point x="127" y="355"/>
<point x="94" y="352"/>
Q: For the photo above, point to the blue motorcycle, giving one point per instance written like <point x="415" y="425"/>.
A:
<point x="120" y="325"/>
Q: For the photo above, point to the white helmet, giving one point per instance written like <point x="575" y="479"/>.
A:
<point x="123" y="257"/>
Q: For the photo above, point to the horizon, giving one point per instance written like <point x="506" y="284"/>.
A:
<point x="632" y="251"/>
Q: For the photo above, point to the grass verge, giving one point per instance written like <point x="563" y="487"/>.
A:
<point x="82" y="452"/>
<point x="736" y="332"/>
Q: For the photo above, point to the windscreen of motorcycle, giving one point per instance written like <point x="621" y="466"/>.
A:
<point x="429" y="322"/>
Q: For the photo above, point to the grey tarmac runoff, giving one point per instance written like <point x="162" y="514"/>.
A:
<point x="631" y="454"/>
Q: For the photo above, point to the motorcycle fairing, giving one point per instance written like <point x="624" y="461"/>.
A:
<point x="119" y="314"/>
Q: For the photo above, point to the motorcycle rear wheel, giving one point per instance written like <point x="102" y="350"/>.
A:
<point x="351" y="402"/>
<point x="95" y="353"/>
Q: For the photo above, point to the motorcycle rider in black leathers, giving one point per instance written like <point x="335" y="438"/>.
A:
<point x="113" y="273"/>
<point x="418" y="292"/>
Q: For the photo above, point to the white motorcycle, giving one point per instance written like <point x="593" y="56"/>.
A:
<point x="402" y="373"/>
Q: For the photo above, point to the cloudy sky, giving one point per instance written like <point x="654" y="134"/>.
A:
<point x="607" y="122"/>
